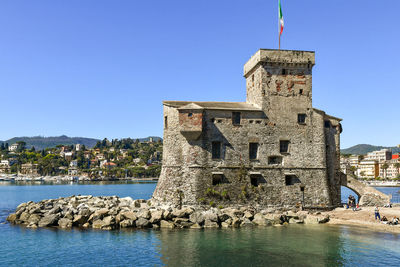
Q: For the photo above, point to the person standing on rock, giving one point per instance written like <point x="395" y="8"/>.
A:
<point x="377" y="215"/>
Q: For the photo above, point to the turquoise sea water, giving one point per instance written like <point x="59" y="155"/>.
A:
<point x="294" y="245"/>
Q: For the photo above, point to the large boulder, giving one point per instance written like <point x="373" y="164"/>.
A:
<point x="127" y="223"/>
<point x="211" y="215"/>
<point x="166" y="224"/>
<point x="48" y="220"/>
<point x="259" y="219"/>
<point x="197" y="217"/>
<point x="142" y="223"/>
<point x="144" y="214"/>
<point x="12" y="218"/>
<point x="210" y="224"/>
<point x="34" y="219"/>
<point x="156" y="216"/>
<point x="65" y="223"/>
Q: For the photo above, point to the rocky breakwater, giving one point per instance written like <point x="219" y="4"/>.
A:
<point x="110" y="213"/>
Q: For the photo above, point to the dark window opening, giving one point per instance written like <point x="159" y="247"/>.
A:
<point x="284" y="71"/>
<point x="253" y="150"/>
<point x="284" y="146"/>
<point x="190" y="114"/>
<point x="217" y="179"/>
<point x="301" y="118"/>
<point x="166" y="122"/>
<point x="257" y="179"/>
<point x="254" y="180"/>
<point x="219" y="121"/>
<point x="252" y="78"/>
<point x="291" y="180"/>
<point x="327" y="124"/>
<point x="274" y="160"/>
<point x="258" y="122"/>
<point x="251" y="121"/>
<point x="212" y="120"/>
<point x="235" y="118"/>
<point x="301" y="91"/>
<point x="216" y="150"/>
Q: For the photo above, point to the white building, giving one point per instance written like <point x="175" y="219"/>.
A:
<point x="73" y="163"/>
<point x="13" y="147"/>
<point x="392" y="170"/>
<point x="368" y="169"/>
<point x="78" y="147"/>
<point x="380" y="155"/>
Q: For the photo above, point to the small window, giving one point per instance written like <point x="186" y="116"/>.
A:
<point x="217" y="179"/>
<point x="254" y="180"/>
<point x="190" y="114"/>
<point x="216" y="150"/>
<point x="252" y="78"/>
<point x="300" y="91"/>
<point x="284" y="71"/>
<point x="291" y="180"/>
<point x="166" y="122"/>
<point x="236" y="118"/>
<point x="327" y="124"/>
<point x="253" y="150"/>
<point x="301" y="118"/>
<point x="284" y="146"/>
<point x="274" y="160"/>
<point x="212" y="120"/>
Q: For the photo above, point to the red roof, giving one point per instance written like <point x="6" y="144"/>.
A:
<point x="109" y="164"/>
<point x="395" y="156"/>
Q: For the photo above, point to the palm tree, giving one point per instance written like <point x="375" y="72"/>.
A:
<point x="397" y="165"/>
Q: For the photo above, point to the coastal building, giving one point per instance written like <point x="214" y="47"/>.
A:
<point x="389" y="169"/>
<point x="380" y="155"/>
<point x="13" y="147"/>
<point x="78" y="147"/>
<point x="275" y="149"/>
<point x="72" y="171"/>
<point x="368" y="169"/>
<point x="73" y="163"/>
<point x="29" y="169"/>
<point x="4" y="166"/>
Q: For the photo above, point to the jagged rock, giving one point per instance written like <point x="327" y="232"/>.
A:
<point x="79" y="219"/>
<point x="54" y="210"/>
<point x="86" y="225"/>
<point x="210" y="215"/>
<point x="129" y="215"/>
<point x="127" y="223"/>
<point x="246" y="223"/>
<point x="210" y="224"/>
<point x="142" y="223"/>
<point x="65" y="223"/>
<point x="293" y="220"/>
<point x="182" y="213"/>
<point x="34" y="218"/>
<point x="97" y="224"/>
<point x="12" y="218"/>
<point x="233" y="212"/>
<point x="259" y="219"/>
<point x="273" y="218"/>
<point x="236" y="222"/>
<point x="166" y="224"/>
<point x="197" y="217"/>
<point x="144" y="213"/>
<point x="195" y="226"/>
<point x="223" y="217"/>
<point x="167" y="214"/>
<point x="48" y="220"/>
<point x="248" y="215"/>
<point x="156" y="216"/>
<point x="225" y="225"/>
<point x="24" y="216"/>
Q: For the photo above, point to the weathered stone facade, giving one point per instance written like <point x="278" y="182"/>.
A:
<point x="272" y="150"/>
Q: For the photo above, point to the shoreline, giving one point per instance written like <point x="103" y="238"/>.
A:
<point x="364" y="218"/>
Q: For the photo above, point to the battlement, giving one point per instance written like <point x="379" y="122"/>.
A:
<point x="279" y="57"/>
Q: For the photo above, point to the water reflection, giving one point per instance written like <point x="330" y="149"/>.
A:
<point x="284" y="246"/>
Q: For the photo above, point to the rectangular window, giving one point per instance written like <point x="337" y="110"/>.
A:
<point x="216" y="150"/>
<point x="217" y="179"/>
<point x="166" y="122"/>
<point x="301" y="118"/>
<point x="254" y="180"/>
<point x="291" y="179"/>
<point x="274" y="160"/>
<point x="327" y="124"/>
<point x="236" y="118"/>
<point x="284" y="146"/>
<point x="253" y="150"/>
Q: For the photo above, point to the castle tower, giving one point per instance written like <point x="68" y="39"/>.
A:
<point x="280" y="83"/>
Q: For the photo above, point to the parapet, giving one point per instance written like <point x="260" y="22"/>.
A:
<point x="274" y="56"/>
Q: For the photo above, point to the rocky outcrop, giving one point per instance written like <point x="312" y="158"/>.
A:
<point x="108" y="213"/>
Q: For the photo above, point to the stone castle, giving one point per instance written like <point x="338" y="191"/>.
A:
<point x="273" y="150"/>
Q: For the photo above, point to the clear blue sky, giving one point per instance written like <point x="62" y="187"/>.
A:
<point x="99" y="68"/>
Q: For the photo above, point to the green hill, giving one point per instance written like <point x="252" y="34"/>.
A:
<point x="41" y="142"/>
<point x="363" y="149"/>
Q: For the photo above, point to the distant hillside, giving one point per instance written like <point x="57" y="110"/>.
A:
<point x="40" y="142"/>
<point x="363" y="149"/>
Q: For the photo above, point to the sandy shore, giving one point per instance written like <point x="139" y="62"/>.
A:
<point x="365" y="218"/>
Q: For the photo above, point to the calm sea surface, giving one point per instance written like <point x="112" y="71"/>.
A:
<point x="294" y="245"/>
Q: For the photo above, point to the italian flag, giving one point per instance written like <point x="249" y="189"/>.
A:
<point x="280" y="19"/>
